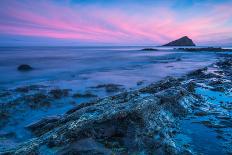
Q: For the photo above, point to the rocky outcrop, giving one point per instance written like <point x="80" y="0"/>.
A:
<point x="206" y="49"/>
<point x="184" y="41"/>
<point x="131" y="122"/>
<point x="24" y="67"/>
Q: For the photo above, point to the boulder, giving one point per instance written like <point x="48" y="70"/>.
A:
<point x="24" y="67"/>
<point x="149" y="49"/>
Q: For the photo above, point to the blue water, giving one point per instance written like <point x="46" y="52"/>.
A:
<point x="79" y="68"/>
<point x="86" y="66"/>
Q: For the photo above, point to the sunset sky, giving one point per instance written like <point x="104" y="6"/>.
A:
<point x="114" y="22"/>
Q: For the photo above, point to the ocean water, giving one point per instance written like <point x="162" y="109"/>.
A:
<point x="79" y="69"/>
<point x="87" y="66"/>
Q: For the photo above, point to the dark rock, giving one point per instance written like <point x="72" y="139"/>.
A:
<point x="7" y="135"/>
<point x="205" y="49"/>
<point x="85" y="95"/>
<point x="37" y="100"/>
<point x="4" y="94"/>
<point x="33" y="127"/>
<point x="139" y="83"/>
<point x="191" y="86"/>
<point x="80" y="106"/>
<point x="219" y="89"/>
<point x="225" y="64"/>
<point x="110" y="87"/>
<point x="4" y="115"/>
<point x="149" y="49"/>
<point x="184" y="41"/>
<point x="227" y="123"/>
<point x="161" y="85"/>
<point x="178" y="59"/>
<point x="211" y="124"/>
<point x="198" y="72"/>
<point x="86" y="146"/>
<point x="24" y="67"/>
<point x="201" y="113"/>
<point x="117" y="121"/>
<point x="59" y="93"/>
<point x="227" y="106"/>
<point x="26" y="89"/>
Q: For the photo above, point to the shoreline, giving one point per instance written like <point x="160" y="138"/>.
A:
<point x="170" y="99"/>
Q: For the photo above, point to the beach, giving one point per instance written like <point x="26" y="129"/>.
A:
<point x="62" y="89"/>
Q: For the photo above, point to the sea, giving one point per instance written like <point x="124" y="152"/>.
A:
<point x="80" y="67"/>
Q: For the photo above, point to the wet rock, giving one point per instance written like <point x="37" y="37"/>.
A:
<point x="161" y="85"/>
<point x="178" y="59"/>
<point x="216" y="82"/>
<point x="210" y="124"/>
<point x="86" y="146"/>
<point x="4" y="94"/>
<point x="6" y="135"/>
<point x="84" y="95"/>
<point x="197" y="72"/>
<point x="27" y="89"/>
<point x="59" y="93"/>
<point x="149" y="49"/>
<point x="191" y="86"/>
<point x="224" y="117"/>
<point x="201" y="113"/>
<point x="118" y="120"/>
<point x="24" y="67"/>
<point x="205" y="49"/>
<point x="225" y="64"/>
<point x="80" y="106"/>
<point x="37" y="100"/>
<point x="110" y="87"/>
<point x="139" y="83"/>
<point x="4" y="115"/>
<point x="226" y="105"/>
<point x="227" y="123"/>
<point x="219" y="89"/>
<point x="33" y="127"/>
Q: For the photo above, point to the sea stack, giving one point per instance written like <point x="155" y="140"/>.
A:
<point x="184" y="41"/>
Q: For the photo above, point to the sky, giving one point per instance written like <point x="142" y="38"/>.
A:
<point x="114" y="22"/>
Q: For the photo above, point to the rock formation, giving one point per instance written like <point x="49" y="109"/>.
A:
<point x="184" y="41"/>
<point x="24" y="67"/>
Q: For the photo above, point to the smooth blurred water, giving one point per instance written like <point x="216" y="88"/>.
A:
<point x="85" y="66"/>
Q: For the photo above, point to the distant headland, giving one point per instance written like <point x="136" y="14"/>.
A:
<point x="183" y="41"/>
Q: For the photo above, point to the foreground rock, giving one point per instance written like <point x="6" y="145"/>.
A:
<point x="131" y="122"/>
<point x="24" y="67"/>
<point x="184" y="41"/>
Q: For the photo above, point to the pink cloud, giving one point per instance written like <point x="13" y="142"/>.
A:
<point x="158" y="25"/>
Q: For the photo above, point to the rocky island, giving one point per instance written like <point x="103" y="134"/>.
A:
<point x="184" y="41"/>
